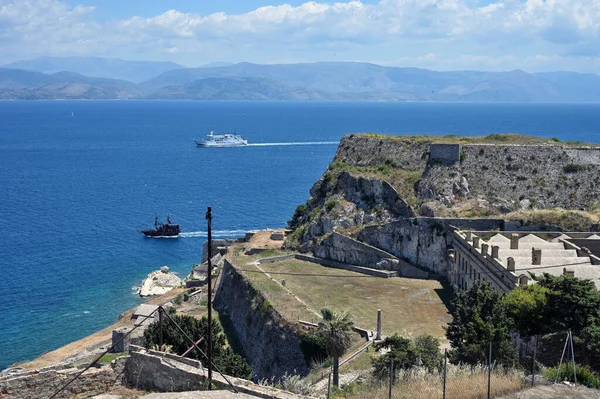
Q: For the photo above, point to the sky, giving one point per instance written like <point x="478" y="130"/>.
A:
<point x="493" y="35"/>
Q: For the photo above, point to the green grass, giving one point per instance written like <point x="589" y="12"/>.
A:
<point x="409" y="306"/>
<point x="109" y="357"/>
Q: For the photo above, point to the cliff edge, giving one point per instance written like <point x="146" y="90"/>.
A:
<point x="375" y="179"/>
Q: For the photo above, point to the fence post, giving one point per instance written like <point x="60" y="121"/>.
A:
<point x="573" y="357"/>
<point x="533" y="365"/>
<point x="160" y="329"/>
<point x="391" y="378"/>
<point x="329" y="382"/>
<point x="489" y="371"/>
<point x="562" y="357"/>
<point x="445" y="365"/>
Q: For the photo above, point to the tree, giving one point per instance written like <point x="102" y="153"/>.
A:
<point x="424" y="350"/>
<point x="294" y="223"/>
<point x="336" y="328"/>
<point x="478" y="318"/>
<point x="224" y="358"/>
<point x="572" y="303"/>
<point x="428" y="352"/>
<point x="527" y="307"/>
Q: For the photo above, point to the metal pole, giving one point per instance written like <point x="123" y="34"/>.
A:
<point x="561" y="358"/>
<point x="490" y="371"/>
<point x="391" y="378"/>
<point x="209" y="305"/>
<point x="445" y="366"/>
<point x="329" y="382"/>
<point x="160" y="330"/>
<point x="573" y="357"/>
<point x="533" y="365"/>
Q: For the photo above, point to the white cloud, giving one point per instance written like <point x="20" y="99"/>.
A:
<point x="439" y="34"/>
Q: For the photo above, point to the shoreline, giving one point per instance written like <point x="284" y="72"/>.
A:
<point x="83" y="349"/>
<point x="87" y="348"/>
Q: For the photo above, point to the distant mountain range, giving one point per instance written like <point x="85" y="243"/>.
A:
<point x="71" y="78"/>
<point x="114" y="68"/>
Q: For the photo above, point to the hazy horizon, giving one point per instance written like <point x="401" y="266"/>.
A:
<point x="441" y="35"/>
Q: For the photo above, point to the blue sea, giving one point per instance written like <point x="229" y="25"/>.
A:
<point x="79" y="178"/>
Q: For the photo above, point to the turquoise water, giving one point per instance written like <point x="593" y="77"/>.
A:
<point x="78" y="178"/>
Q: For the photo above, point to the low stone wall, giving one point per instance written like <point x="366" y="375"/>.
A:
<point x="346" y="266"/>
<point x="44" y="383"/>
<point x="163" y="372"/>
<point x="218" y="246"/>
<point x="276" y="259"/>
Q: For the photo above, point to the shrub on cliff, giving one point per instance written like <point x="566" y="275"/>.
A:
<point x="294" y="223"/>
<point x="227" y="361"/>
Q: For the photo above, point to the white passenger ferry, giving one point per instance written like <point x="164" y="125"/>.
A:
<point x="221" y="140"/>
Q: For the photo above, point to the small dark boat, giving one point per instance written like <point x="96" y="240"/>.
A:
<point x="162" y="229"/>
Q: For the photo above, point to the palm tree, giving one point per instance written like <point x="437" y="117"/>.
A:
<point x="336" y="328"/>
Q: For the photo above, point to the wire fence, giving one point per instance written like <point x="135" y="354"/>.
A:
<point x="556" y="350"/>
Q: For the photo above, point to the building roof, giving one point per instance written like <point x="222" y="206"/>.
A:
<point x="557" y="254"/>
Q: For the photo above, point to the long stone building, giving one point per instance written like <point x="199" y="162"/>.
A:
<point x="508" y="259"/>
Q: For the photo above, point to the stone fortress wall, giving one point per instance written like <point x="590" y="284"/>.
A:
<point x="509" y="176"/>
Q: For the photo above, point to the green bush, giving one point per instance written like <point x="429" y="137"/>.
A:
<point x="298" y="214"/>
<point x="574" y="168"/>
<point x="331" y="204"/>
<point x="423" y="351"/>
<point x="313" y="347"/>
<point x="178" y="300"/>
<point x="497" y="137"/>
<point x="584" y="375"/>
<point x="391" y="163"/>
<point x="223" y="356"/>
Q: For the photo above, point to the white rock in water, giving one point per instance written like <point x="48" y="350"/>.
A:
<point x="159" y="282"/>
<point x="164" y="269"/>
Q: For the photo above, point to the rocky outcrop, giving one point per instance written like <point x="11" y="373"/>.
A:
<point x="348" y="200"/>
<point x="344" y="249"/>
<point x="159" y="282"/>
<point x="370" y="193"/>
<point x="377" y="185"/>
<point x="505" y="178"/>
<point x="270" y="344"/>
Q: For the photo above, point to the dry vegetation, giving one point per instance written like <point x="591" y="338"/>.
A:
<point x="566" y="219"/>
<point x="497" y="138"/>
<point x="461" y="383"/>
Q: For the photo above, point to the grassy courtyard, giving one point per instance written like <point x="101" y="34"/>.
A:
<point x="409" y="306"/>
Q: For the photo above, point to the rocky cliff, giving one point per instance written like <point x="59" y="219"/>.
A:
<point x="376" y="179"/>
